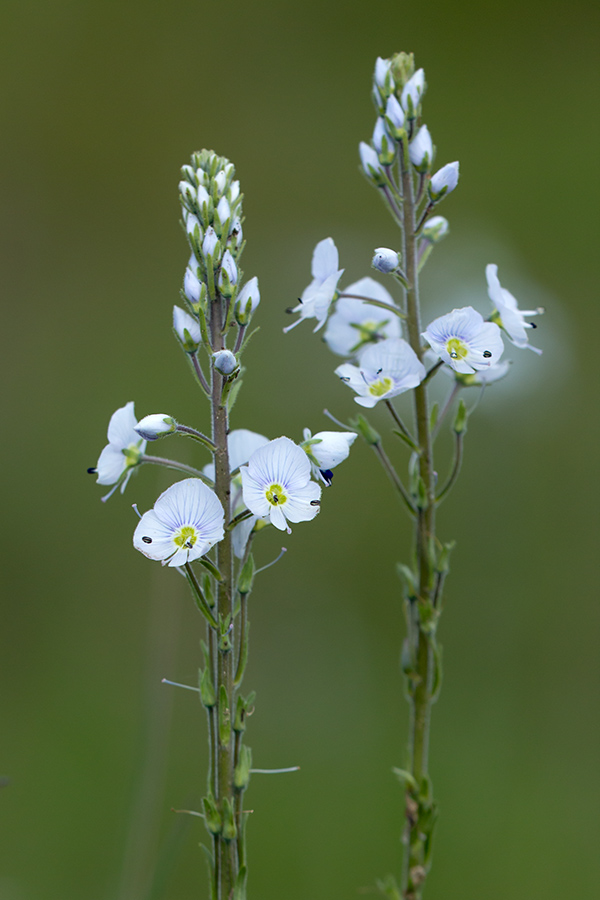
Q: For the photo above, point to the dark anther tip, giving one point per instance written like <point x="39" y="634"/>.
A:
<point x="327" y="475"/>
<point x="487" y="353"/>
<point x="146" y="539"/>
<point x="315" y="502"/>
<point x="289" y="310"/>
<point x="92" y="470"/>
<point x="533" y="325"/>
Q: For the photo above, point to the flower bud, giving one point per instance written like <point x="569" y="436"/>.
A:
<point x="247" y="301"/>
<point x="234" y="191"/>
<point x="191" y="222"/>
<point x="202" y="195"/>
<point x="188" y="173"/>
<point x="382" y="76"/>
<point x="227" y="275"/>
<point x="395" y="116"/>
<point x="420" y="149"/>
<point x="443" y="182"/>
<point x="220" y="181"/>
<point x="224" y="362"/>
<point x="370" y="163"/>
<point x="383" y="143"/>
<point x="385" y="260"/>
<point x="187" y="329"/>
<point x="155" y="426"/>
<point x="191" y="284"/>
<point x="210" y="242"/>
<point x="188" y="194"/>
<point x="223" y="210"/>
<point x="412" y="92"/>
<point x="435" y="229"/>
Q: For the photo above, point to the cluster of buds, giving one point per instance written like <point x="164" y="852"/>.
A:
<point x="398" y="92"/>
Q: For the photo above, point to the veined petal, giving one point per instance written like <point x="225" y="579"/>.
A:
<point x="120" y="427"/>
<point x="277" y="518"/>
<point x="280" y="461"/>
<point x="325" y="260"/>
<point x="302" y="506"/>
<point x="254" y="493"/>
<point x="111" y="465"/>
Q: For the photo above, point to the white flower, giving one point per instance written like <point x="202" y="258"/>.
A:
<point x="395" y="113"/>
<point x="187" y="329"/>
<point x="420" y="149"/>
<point x="481" y="378"/>
<point x="155" y="426"/>
<point x="356" y="324"/>
<point x="316" y="298"/>
<point x="191" y="284"/>
<point x="187" y="520"/>
<point x="444" y="181"/>
<point x="326" y="450"/>
<point x="124" y="449"/>
<point x="385" y="260"/>
<point x="507" y="313"/>
<point x="464" y="341"/>
<point x="412" y="92"/>
<point x="241" y="444"/>
<point x="247" y="300"/>
<point x="435" y="229"/>
<point x="370" y="161"/>
<point x="276" y="484"/>
<point x="386" y="369"/>
<point x="224" y="362"/>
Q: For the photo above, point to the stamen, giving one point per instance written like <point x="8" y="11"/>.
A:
<point x="187" y="687"/>
<point x="268" y="565"/>
<point x="134" y="507"/>
<point x="146" y="539"/>
<point x="487" y="354"/>
<point x="531" y="325"/>
<point x="92" y="470"/>
<point x="315" y="502"/>
<point x="274" y="771"/>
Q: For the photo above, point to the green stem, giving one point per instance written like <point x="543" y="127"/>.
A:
<point x="226" y="858"/>
<point x="458" y="455"/>
<point x="415" y="861"/>
<point x="174" y="464"/>
<point x="393" y="476"/>
<point x="381" y="303"/>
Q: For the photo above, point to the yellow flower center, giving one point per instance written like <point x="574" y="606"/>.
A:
<point x="456" y="348"/>
<point x="275" y="495"/>
<point x="381" y="387"/>
<point x="186" y="537"/>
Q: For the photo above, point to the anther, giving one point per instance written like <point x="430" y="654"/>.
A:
<point x="531" y="325"/>
<point x="146" y="539"/>
<point x="454" y="354"/>
<point x="92" y="470"/>
<point x="487" y="354"/>
<point x="315" y="502"/>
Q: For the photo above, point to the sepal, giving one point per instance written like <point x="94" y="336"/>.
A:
<point x="241" y="774"/>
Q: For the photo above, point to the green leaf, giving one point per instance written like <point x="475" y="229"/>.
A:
<point x="406" y="778"/>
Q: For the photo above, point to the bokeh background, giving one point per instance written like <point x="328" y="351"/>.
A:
<point x="101" y="102"/>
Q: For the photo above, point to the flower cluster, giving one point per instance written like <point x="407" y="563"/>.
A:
<point x="271" y="481"/>
<point x="363" y="322"/>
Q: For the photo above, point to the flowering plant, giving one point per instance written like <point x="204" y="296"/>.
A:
<point x="205" y="525"/>
<point x="388" y="354"/>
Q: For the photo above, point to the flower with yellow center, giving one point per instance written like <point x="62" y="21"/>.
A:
<point x="187" y="520"/>
<point x="464" y="341"/>
<point x="356" y="323"/>
<point x="276" y="484"/>
<point x="386" y="369"/>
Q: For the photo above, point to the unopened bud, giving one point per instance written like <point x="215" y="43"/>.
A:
<point x="223" y="210"/>
<point x="191" y="284"/>
<point x="210" y="242"/>
<point x="220" y="181"/>
<point x="412" y="92"/>
<point x="155" y="426"/>
<point x="191" y="223"/>
<point x="383" y="75"/>
<point x="370" y="163"/>
<point x="202" y="195"/>
<point x="227" y="275"/>
<point x="224" y="362"/>
<point x="247" y="301"/>
<point x="395" y="116"/>
<point x="435" y="229"/>
<point x="421" y="149"/>
<point x="443" y="182"/>
<point x="234" y="191"/>
<point x="188" y="194"/>
<point x="383" y="143"/>
<point x="187" y="329"/>
<point x="385" y="260"/>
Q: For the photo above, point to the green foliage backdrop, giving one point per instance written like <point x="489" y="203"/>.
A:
<point x="101" y="102"/>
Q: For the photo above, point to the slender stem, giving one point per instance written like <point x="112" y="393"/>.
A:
<point x="199" y="373"/>
<point x="196" y="435"/>
<point x="381" y="303"/>
<point x="174" y="464"/>
<point x="458" y="455"/>
<point x="444" y="410"/>
<point x="414" y="869"/>
<point x="429" y="375"/>
<point x="399" y="421"/>
<point x="243" y="644"/>
<point x="246" y="514"/>
<point x="199" y="596"/>
<point x="239" y="339"/>
<point x="227" y="858"/>
<point x="393" y="475"/>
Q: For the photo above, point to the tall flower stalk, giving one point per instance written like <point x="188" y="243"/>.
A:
<point x="364" y="323"/>
<point x="205" y="525"/>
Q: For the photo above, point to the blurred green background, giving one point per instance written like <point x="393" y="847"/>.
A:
<point x="101" y="103"/>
